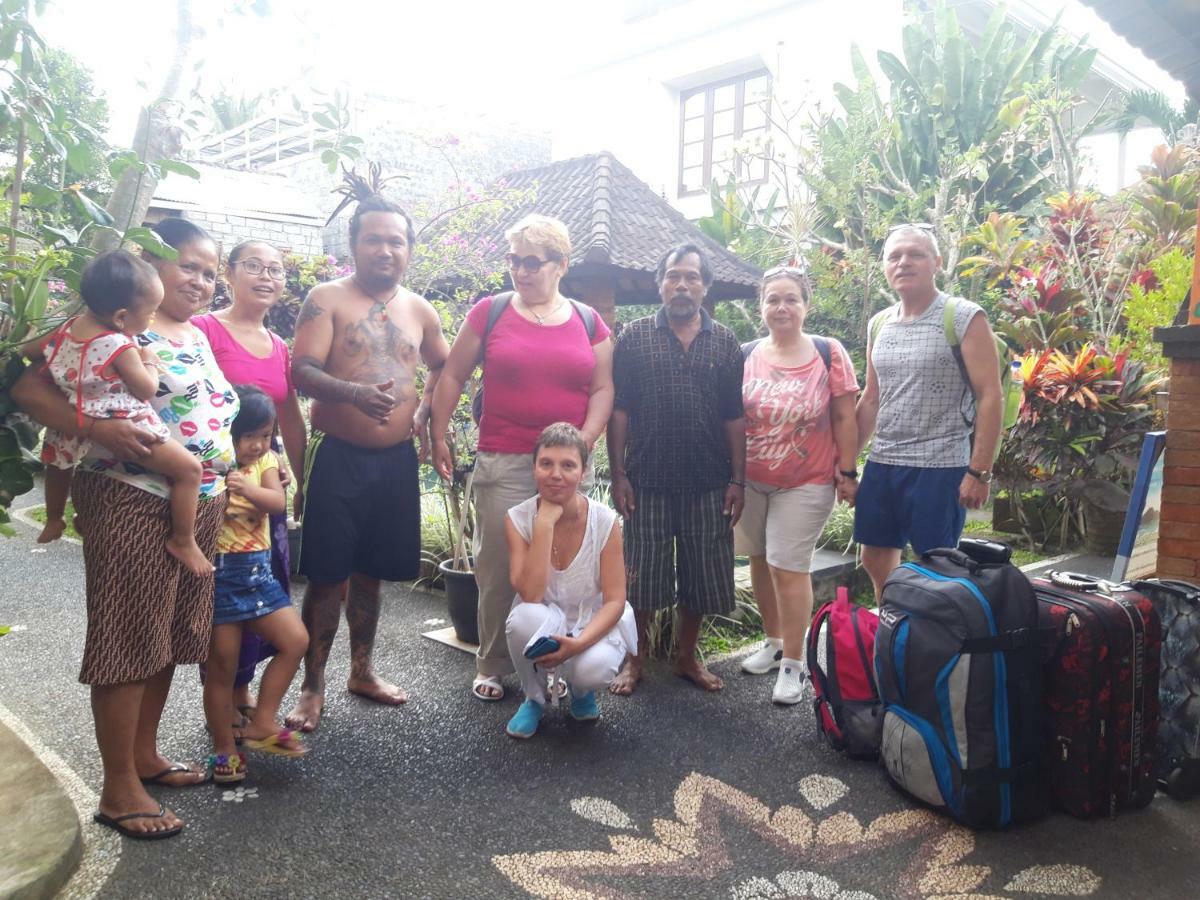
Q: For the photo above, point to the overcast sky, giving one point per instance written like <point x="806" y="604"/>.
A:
<point x="478" y="53"/>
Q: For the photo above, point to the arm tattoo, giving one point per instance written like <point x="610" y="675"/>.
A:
<point x="308" y="311"/>
<point x="318" y="384"/>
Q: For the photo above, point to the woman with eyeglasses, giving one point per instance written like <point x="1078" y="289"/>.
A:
<point x="798" y="391"/>
<point x="545" y="359"/>
<point x="248" y="353"/>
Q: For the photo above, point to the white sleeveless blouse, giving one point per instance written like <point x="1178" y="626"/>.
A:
<point x="575" y="589"/>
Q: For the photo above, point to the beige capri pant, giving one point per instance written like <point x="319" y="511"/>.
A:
<point x="783" y="524"/>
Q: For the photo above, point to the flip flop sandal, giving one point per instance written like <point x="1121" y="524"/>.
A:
<point x="492" y="681"/>
<point x="227" y="769"/>
<point x="284" y="742"/>
<point x="116" y="823"/>
<point x="159" y="779"/>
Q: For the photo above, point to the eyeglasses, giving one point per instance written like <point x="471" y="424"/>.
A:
<point x="531" y="264"/>
<point x="255" y="268"/>
<point x="919" y="226"/>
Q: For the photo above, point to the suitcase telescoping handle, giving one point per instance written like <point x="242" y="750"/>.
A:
<point x="957" y="557"/>
<point x="985" y="551"/>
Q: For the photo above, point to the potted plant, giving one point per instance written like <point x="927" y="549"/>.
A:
<point x="450" y="552"/>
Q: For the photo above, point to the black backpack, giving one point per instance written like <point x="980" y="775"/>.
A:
<point x="499" y="304"/>
<point x="822" y="345"/>
<point x="959" y="671"/>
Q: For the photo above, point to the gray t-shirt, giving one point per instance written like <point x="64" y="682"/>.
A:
<point x="922" y="394"/>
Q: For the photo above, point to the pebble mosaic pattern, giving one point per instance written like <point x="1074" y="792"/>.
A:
<point x="239" y="795"/>
<point x="692" y="848"/>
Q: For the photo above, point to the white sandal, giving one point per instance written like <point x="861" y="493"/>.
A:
<point x="490" y="681"/>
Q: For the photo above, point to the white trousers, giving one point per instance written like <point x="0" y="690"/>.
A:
<point x="593" y="668"/>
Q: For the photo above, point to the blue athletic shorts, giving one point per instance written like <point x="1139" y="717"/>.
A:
<point x="897" y="505"/>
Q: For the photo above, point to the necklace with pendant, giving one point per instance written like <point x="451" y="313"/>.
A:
<point x="541" y="319"/>
<point x="380" y="305"/>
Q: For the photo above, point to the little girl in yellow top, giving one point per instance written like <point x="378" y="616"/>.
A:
<point x="248" y="596"/>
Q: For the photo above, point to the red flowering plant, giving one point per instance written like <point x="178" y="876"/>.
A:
<point x="1080" y="428"/>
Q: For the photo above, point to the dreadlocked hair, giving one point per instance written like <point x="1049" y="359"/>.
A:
<point x="366" y="192"/>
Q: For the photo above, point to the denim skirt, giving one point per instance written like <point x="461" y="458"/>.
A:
<point x="246" y="588"/>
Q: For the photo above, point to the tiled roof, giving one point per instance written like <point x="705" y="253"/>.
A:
<point x="616" y="219"/>
<point x="1167" y="31"/>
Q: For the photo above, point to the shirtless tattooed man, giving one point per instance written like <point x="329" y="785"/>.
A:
<point x="358" y="343"/>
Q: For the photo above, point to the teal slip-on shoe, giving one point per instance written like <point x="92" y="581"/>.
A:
<point x="585" y="708"/>
<point x="524" y="723"/>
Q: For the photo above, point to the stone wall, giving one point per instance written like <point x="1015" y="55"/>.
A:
<point x="231" y="230"/>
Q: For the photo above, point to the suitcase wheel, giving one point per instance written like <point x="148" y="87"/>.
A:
<point x="1183" y="783"/>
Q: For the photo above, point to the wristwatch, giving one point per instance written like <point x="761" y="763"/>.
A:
<point x="985" y="476"/>
<point x="852" y="474"/>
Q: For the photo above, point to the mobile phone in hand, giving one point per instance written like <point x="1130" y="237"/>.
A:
<point x="541" y="647"/>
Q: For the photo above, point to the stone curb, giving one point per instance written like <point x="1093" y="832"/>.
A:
<point x="40" y="840"/>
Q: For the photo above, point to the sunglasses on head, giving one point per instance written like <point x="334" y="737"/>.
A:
<point x="531" y="264"/>
<point x="794" y="271"/>
<point x="919" y="226"/>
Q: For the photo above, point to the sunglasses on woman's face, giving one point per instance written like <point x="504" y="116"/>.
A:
<point x="531" y="264"/>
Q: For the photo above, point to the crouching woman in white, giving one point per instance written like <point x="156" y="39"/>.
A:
<point x="568" y="570"/>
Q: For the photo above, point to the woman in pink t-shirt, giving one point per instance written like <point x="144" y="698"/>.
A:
<point x="801" y="439"/>
<point x="542" y="367"/>
<point x="247" y="352"/>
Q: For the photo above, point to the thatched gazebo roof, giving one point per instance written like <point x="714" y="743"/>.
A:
<point x="619" y="228"/>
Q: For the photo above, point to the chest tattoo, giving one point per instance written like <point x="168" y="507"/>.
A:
<point x="377" y="351"/>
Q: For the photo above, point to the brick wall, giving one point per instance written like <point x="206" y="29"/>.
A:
<point x="1179" y="528"/>
<point x="287" y="236"/>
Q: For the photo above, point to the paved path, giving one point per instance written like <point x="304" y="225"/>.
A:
<point x="672" y="794"/>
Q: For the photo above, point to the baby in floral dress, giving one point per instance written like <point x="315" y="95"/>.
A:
<point x="93" y="359"/>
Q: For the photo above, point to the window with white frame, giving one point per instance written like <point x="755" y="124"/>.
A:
<point x="716" y="118"/>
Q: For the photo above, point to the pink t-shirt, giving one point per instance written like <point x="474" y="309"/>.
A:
<point x="271" y="374"/>
<point x="533" y="375"/>
<point x="789" y="431"/>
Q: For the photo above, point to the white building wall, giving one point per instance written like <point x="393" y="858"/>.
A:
<point x="625" y="97"/>
<point x="623" y="94"/>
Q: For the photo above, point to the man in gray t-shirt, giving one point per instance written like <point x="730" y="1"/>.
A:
<point x="935" y="433"/>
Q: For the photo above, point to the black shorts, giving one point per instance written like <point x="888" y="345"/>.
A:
<point x="362" y="512"/>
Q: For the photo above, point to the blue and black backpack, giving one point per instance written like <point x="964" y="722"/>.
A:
<point x="958" y="666"/>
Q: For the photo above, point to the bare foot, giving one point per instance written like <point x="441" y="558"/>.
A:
<point x="189" y="553"/>
<point x="52" y="531"/>
<point x="307" y="712"/>
<point x="693" y="670"/>
<point x="627" y="679"/>
<point x="376" y="689"/>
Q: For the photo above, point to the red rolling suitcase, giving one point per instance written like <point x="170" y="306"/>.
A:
<point x="1100" y="693"/>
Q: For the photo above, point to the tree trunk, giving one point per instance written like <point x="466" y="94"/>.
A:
<point x="157" y="137"/>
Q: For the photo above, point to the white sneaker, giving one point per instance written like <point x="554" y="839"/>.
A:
<point x="789" y="684"/>
<point x="764" y="659"/>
